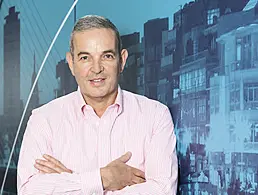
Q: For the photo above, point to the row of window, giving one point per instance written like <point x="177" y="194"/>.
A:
<point x="193" y="79"/>
<point x="250" y="97"/>
<point x="194" y="108"/>
<point x="153" y="53"/>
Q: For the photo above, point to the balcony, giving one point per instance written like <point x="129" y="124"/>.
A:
<point x="251" y="147"/>
<point x="241" y="65"/>
<point x="135" y="49"/>
<point x="247" y="147"/>
<point x="204" y="55"/>
<point x="176" y="96"/>
<point x="167" y="61"/>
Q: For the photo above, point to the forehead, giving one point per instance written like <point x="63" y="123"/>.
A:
<point x="94" y="39"/>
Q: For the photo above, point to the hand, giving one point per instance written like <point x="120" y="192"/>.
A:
<point x="117" y="175"/>
<point x="50" y="165"/>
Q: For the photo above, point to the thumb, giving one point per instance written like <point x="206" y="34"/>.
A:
<point x="126" y="157"/>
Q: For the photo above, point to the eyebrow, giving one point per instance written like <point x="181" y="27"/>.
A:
<point x="109" y="51"/>
<point x="104" y="52"/>
<point x="83" y="53"/>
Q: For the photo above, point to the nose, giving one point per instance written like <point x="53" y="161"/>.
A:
<point x="97" y="67"/>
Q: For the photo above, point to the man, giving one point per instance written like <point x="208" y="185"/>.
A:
<point x="99" y="139"/>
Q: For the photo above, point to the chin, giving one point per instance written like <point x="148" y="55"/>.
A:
<point x="97" y="94"/>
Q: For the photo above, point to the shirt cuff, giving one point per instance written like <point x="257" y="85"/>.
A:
<point x="92" y="183"/>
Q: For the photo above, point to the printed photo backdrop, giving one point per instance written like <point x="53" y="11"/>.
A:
<point x="200" y="58"/>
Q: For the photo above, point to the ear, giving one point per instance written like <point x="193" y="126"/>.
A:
<point x="124" y="55"/>
<point x="69" y="59"/>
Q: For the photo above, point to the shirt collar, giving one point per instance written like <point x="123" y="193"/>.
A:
<point x="81" y="102"/>
<point x="118" y="102"/>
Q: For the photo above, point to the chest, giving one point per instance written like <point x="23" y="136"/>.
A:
<point x="91" y="144"/>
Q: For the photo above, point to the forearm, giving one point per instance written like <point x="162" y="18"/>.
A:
<point x="50" y="184"/>
<point x="150" y="187"/>
<point x="37" y="141"/>
<point x="161" y="164"/>
<point x="64" y="183"/>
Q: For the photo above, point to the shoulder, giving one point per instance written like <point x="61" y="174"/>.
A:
<point x="56" y="107"/>
<point x="152" y="113"/>
<point x="143" y="103"/>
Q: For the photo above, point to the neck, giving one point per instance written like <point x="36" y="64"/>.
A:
<point x="101" y="104"/>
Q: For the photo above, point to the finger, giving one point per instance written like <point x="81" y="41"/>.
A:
<point x="50" y="165"/>
<point x="130" y="183"/>
<point x="137" y="180"/>
<point x="138" y="173"/>
<point x="44" y="169"/>
<point x="42" y="172"/>
<point x="126" y="157"/>
<point x="57" y="162"/>
<point x="52" y="159"/>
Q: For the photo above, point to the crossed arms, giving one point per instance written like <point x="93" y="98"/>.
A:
<point x="49" y="176"/>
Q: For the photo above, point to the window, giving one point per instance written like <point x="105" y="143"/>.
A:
<point x="193" y="79"/>
<point x="234" y="96"/>
<point x="255" y="52"/>
<point x="222" y="54"/>
<point x="148" y="74"/>
<point x="182" y="81"/>
<point x="213" y="15"/>
<point x="189" y="47"/>
<point x="251" y="96"/>
<point x="169" y="49"/>
<point x="187" y="81"/>
<point x="176" y="93"/>
<point x="243" y="53"/>
<point x="214" y="105"/>
<point x="216" y="102"/>
<point x="202" y="109"/>
<point x="247" y="52"/>
<point x="194" y="112"/>
<point x="158" y="52"/>
<point x="59" y="83"/>
<point x="213" y="44"/>
<point x="140" y="80"/>
<point x="239" y="49"/>
<point x="150" y="53"/>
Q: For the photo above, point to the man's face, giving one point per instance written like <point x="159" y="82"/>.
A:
<point x="96" y="64"/>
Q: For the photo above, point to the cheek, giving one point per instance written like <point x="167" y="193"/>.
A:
<point x="113" y="74"/>
<point x="112" y="69"/>
<point x="82" y="71"/>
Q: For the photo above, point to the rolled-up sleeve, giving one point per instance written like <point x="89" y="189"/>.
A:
<point x="161" y="165"/>
<point x="37" y="140"/>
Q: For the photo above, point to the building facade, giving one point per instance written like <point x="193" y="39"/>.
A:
<point x="152" y="54"/>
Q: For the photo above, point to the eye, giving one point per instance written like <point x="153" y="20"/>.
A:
<point x="109" y="56"/>
<point x="84" y="58"/>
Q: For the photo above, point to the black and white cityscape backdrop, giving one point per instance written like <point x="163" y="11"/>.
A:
<point x="200" y="58"/>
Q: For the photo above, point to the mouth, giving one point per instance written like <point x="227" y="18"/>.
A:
<point x="97" y="81"/>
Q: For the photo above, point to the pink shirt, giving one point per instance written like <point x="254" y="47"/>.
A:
<point x="70" y="131"/>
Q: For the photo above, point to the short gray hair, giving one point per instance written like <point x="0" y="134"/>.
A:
<point x="93" y="21"/>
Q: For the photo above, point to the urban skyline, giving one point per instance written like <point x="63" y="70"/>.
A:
<point x="38" y="29"/>
<point x="204" y="69"/>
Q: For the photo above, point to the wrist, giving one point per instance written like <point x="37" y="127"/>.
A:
<point x="105" y="177"/>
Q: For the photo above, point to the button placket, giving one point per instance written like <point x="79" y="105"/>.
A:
<point x="97" y="124"/>
<point x="105" y="140"/>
